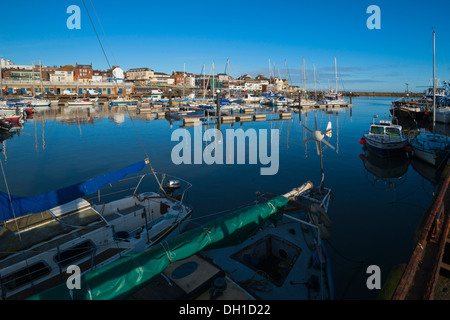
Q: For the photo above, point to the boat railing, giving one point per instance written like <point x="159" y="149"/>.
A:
<point x="130" y="186"/>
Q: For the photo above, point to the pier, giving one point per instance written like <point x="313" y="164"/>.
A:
<point x="427" y="274"/>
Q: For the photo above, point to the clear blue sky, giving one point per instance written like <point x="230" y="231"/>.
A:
<point x="163" y="35"/>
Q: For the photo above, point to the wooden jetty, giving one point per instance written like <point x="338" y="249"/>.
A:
<point x="238" y="117"/>
<point x="324" y="106"/>
<point x="427" y="274"/>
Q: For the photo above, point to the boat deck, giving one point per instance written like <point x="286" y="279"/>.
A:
<point x="42" y="232"/>
<point x="191" y="278"/>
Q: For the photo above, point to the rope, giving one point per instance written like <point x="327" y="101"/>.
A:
<point x="208" y="231"/>
<point x="10" y="201"/>
<point x="126" y="108"/>
<point x="168" y="252"/>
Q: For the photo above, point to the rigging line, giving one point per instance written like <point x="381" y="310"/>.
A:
<point x="10" y="201"/>
<point x="126" y="108"/>
<point x="107" y="41"/>
<point x="98" y="38"/>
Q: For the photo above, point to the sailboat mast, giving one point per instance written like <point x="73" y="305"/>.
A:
<point x="434" y="78"/>
<point x="32" y="77"/>
<point x="335" y="71"/>
<point x="304" y="76"/>
<point x="1" y="82"/>
<point x="314" y="66"/>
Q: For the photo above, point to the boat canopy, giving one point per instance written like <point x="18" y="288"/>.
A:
<point x="122" y="278"/>
<point x="12" y="206"/>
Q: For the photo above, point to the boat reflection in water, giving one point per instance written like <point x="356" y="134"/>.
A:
<point x="389" y="170"/>
<point x="429" y="172"/>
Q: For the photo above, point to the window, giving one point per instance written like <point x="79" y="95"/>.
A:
<point x="25" y="276"/>
<point x="67" y="257"/>
<point x="377" y="130"/>
<point x="393" y="131"/>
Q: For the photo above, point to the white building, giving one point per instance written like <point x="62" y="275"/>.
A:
<point x="252" y="86"/>
<point x="118" y="75"/>
<point x="139" y="74"/>
<point x="61" y="76"/>
<point x="162" y="78"/>
<point x="5" y="63"/>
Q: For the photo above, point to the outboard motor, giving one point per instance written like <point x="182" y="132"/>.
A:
<point x="171" y="186"/>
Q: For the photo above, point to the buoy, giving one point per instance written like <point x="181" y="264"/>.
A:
<point x="362" y="141"/>
<point x="364" y="148"/>
<point x="362" y="157"/>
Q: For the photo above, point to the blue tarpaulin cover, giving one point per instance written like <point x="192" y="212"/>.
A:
<point x="39" y="203"/>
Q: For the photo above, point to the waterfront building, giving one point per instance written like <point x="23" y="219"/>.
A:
<point x="83" y="72"/>
<point x="140" y="75"/>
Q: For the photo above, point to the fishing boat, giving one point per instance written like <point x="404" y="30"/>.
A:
<point x="41" y="236"/>
<point x="432" y="148"/>
<point x="385" y="138"/>
<point x="410" y="109"/>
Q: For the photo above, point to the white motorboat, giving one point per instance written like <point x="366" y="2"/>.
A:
<point x="80" y="103"/>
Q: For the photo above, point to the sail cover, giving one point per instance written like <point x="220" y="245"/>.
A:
<point x="123" y="277"/>
<point x="15" y="206"/>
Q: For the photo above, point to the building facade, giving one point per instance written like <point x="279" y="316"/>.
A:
<point x="140" y="75"/>
<point x="83" y="72"/>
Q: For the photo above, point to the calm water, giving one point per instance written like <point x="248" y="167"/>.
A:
<point x="375" y="211"/>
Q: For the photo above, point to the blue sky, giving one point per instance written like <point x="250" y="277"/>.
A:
<point x="163" y="35"/>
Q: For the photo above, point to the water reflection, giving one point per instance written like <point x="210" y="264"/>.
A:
<point x="387" y="171"/>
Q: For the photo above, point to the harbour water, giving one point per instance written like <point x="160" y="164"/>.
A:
<point x="376" y="209"/>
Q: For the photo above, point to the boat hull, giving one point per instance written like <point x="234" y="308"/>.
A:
<point x="385" y="149"/>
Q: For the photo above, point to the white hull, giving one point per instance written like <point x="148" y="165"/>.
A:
<point x="442" y="115"/>
<point x="47" y="247"/>
<point x="428" y="157"/>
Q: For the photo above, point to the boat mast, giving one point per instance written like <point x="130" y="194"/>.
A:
<point x="335" y="71"/>
<point x="434" y="78"/>
<point x="287" y="81"/>
<point x="32" y="77"/>
<point x="304" y="76"/>
<point x="314" y="66"/>
<point x="1" y="82"/>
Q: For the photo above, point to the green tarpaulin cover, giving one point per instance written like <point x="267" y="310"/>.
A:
<point x="129" y="274"/>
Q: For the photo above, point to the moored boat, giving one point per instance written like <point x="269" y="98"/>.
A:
<point x="385" y="138"/>
<point x="39" y="241"/>
<point x="80" y="103"/>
